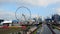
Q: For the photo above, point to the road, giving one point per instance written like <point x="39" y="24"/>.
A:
<point x="56" y="31"/>
<point x="46" y="30"/>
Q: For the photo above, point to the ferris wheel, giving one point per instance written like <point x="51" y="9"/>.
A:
<point x="23" y="13"/>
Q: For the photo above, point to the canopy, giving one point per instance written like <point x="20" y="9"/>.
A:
<point x="6" y="22"/>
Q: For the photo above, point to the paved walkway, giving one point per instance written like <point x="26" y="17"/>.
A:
<point x="31" y="30"/>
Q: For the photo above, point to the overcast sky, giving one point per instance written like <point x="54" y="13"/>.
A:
<point x="37" y="7"/>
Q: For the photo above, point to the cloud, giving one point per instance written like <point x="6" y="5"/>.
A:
<point x="7" y="15"/>
<point x="10" y="15"/>
<point x="32" y="2"/>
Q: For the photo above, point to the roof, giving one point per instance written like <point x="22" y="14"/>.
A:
<point x="6" y="22"/>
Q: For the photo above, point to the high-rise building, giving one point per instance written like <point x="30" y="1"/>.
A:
<point x="56" y="18"/>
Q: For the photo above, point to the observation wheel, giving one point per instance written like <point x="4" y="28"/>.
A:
<point x="23" y="14"/>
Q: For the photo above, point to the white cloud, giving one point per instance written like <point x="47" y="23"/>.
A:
<point x="32" y="2"/>
<point x="7" y="15"/>
<point x="10" y="15"/>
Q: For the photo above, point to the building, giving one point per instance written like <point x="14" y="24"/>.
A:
<point x="56" y="18"/>
<point x="15" y="23"/>
<point x="1" y="20"/>
<point x="48" y="20"/>
<point x="7" y="23"/>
